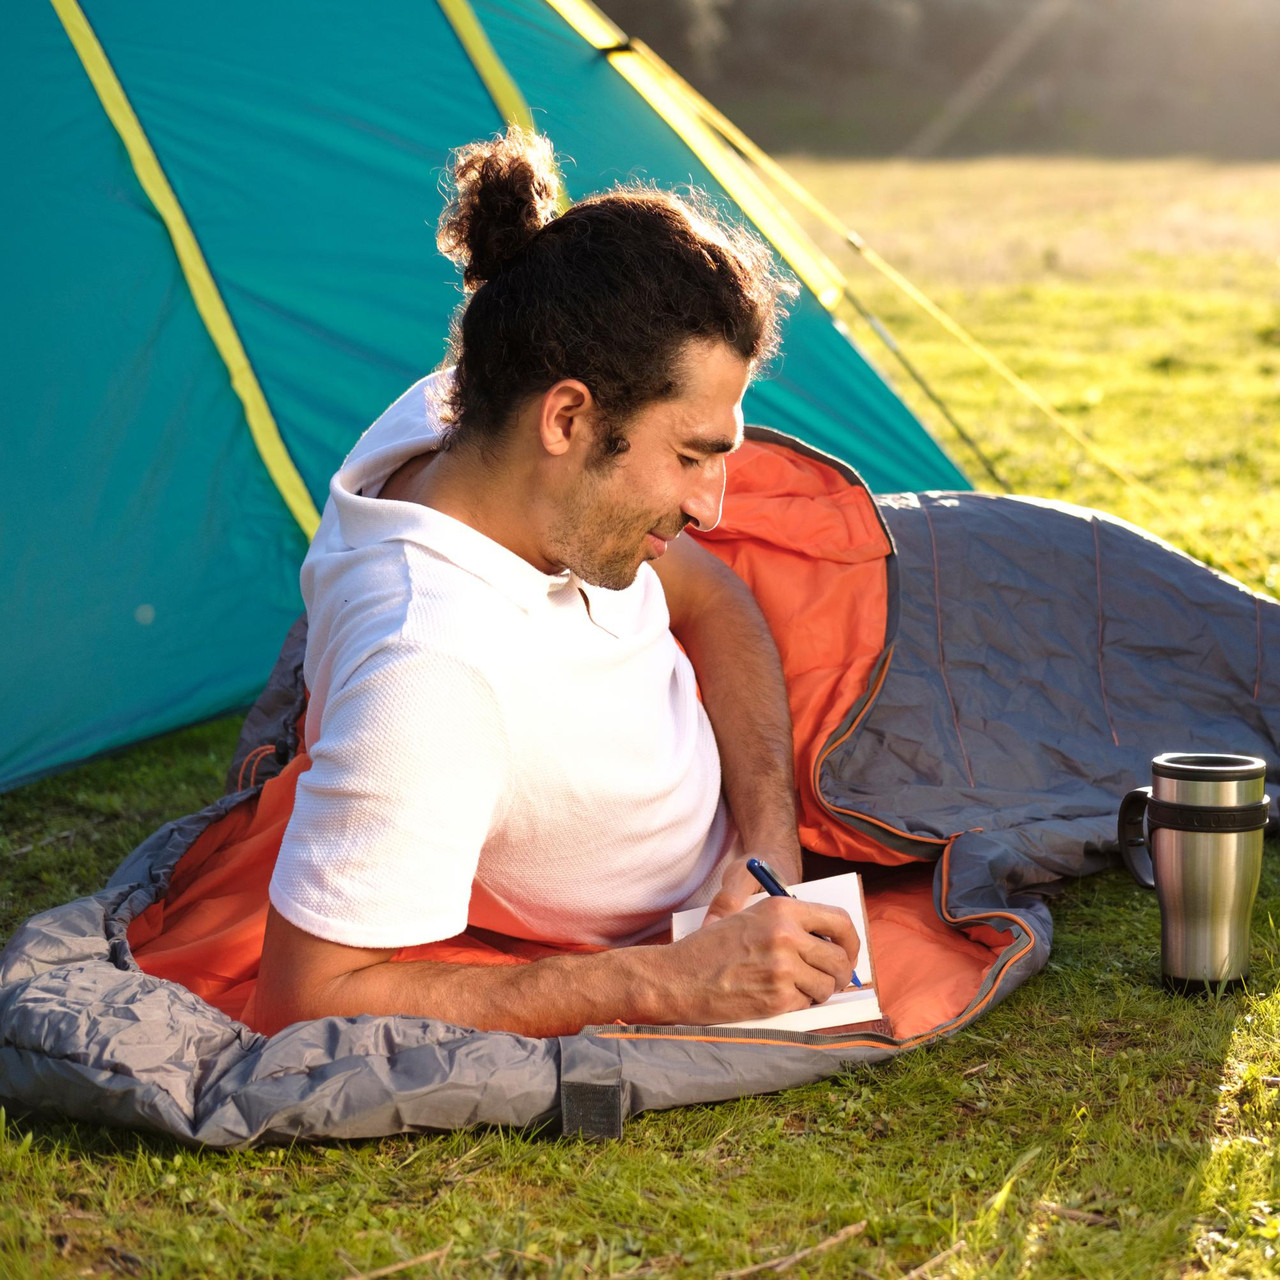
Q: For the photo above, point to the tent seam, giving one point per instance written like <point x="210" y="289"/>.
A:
<point x="1102" y="682"/>
<point x="942" y="653"/>
<point x="208" y="299"/>
<point x="667" y="96"/>
<point x="497" y="80"/>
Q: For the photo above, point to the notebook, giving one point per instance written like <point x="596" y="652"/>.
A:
<point x="854" y="1008"/>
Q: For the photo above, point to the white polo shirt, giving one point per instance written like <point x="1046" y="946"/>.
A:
<point x="489" y="744"/>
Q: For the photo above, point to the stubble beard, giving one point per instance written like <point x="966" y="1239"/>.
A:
<point x="602" y="543"/>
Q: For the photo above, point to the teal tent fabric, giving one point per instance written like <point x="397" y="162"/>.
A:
<point x="150" y="566"/>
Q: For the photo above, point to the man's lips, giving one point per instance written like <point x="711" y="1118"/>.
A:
<point x="658" y="540"/>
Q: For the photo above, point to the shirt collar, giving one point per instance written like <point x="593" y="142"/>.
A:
<point x="410" y="426"/>
<point x="490" y="561"/>
<point x="365" y="521"/>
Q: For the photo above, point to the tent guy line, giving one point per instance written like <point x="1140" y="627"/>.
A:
<point x="497" y="79"/>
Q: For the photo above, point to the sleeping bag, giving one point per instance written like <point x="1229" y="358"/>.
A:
<point x="974" y="683"/>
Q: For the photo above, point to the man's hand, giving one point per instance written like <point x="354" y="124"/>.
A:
<point x="758" y="962"/>
<point x="738" y="885"/>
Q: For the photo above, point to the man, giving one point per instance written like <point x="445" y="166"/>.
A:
<point x="503" y="731"/>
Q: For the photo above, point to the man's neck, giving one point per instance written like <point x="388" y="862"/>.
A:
<point x="470" y="486"/>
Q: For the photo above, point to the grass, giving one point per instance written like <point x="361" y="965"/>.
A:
<point x="1089" y="1126"/>
<point x="1141" y="299"/>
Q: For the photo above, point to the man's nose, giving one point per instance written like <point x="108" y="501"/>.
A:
<point x="704" y="502"/>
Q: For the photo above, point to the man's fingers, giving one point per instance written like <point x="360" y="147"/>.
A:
<point x="828" y="961"/>
<point x="818" y="985"/>
<point x="833" y="923"/>
<point x="738" y="886"/>
<point x="779" y="954"/>
<point x="830" y="949"/>
<point x="725" y="903"/>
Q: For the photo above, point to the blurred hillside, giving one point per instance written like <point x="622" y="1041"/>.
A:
<point x="865" y="77"/>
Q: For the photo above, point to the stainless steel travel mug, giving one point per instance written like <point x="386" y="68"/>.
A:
<point x="1201" y="850"/>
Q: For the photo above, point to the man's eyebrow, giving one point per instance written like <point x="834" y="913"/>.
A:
<point x="718" y="444"/>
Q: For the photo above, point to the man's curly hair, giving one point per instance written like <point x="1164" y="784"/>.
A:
<point x="609" y="291"/>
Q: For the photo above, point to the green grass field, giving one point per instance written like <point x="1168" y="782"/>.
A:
<point x="1090" y="1126"/>
<point x="1141" y="299"/>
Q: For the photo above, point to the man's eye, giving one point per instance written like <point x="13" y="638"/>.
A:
<point x="686" y="461"/>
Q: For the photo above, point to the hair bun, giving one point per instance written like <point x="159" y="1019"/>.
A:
<point x="505" y="191"/>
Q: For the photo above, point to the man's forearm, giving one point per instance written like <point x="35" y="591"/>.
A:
<point x="754" y="963"/>
<point x="745" y="696"/>
<point x="555" y="996"/>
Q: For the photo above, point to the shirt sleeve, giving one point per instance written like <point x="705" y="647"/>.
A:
<point x="406" y="781"/>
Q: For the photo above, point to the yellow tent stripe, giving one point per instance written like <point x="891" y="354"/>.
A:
<point x="664" y="91"/>
<point x="809" y="263"/>
<point x="496" y="78"/>
<point x="592" y="25"/>
<point x="209" y="303"/>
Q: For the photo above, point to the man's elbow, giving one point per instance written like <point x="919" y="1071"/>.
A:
<point x="302" y="977"/>
<point x="281" y="999"/>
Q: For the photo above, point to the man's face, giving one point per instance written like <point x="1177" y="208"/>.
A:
<point x="622" y="511"/>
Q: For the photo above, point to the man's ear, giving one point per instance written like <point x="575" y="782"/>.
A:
<point x="564" y="419"/>
<point x="565" y="415"/>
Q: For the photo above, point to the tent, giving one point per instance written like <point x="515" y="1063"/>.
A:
<point x="221" y="268"/>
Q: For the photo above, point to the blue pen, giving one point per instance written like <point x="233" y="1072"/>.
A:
<point x="774" y="887"/>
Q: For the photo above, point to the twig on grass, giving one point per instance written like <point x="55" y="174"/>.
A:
<point x="218" y="1207"/>
<point x="657" y="1266"/>
<point x="446" y="1169"/>
<point x="781" y="1264"/>
<point x="1271" y="1080"/>
<point x="123" y="1262"/>
<point x="925" y="1267"/>
<point x="434" y="1256"/>
<point x="26" y="848"/>
<point x="1087" y="1216"/>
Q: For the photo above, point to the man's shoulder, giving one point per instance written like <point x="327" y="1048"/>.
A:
<point x="401" y="673"/>
<point x="420" y="600"/>
<point x="399" y="604"/>
<point x="447" y="606"/>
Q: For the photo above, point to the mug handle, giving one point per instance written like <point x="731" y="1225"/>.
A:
<point x="1134" y="846"/>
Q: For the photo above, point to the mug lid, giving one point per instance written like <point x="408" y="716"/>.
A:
<point x="1207" y="767"/>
